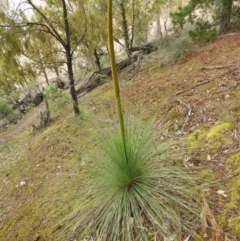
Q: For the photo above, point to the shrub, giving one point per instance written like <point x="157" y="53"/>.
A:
<point x="58" y="99"/>
<point x="171" y="48"/>
<point x="203" y="35"/>
<point x="5" y="108"/>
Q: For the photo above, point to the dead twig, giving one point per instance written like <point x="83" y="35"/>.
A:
<point x="140" y="56"/>
<point x="209" y="223"/>
<point x="211" y="67"/>
<point x="226" y="35"/>
<point x="188" y="106"/>
<point x="193" y="87"/>
<point x="91" y="77"/>
<point x="18" y="190"/>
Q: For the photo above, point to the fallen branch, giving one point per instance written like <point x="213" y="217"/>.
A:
<point x="188" y="106"/>
<point x="193" y="87"/>
<point x="226" y="35"/>
<point x="211" y="67"/>
<point x="102" y="76"/>
<point x="140" y="56"/>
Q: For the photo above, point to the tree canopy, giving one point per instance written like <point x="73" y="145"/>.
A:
<point x="210" y="17"/>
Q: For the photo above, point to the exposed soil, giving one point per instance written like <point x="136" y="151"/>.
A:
<point x="31" y="118"/>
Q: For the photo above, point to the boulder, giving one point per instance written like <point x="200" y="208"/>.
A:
<point x="60" y="83"/>
<point x="38" y="99"/>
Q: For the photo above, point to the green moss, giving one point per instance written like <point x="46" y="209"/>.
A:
<point x="107" y="95"/>
<point x="234" y="223"/>
<point x="217" y="131"/>
<point x="210" y="139"/>
<point x="231" y="214"/>
<point x="194" y="138"/>
<point x="233" y="160"/>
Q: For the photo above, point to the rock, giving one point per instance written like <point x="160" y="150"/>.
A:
<point x="38" y="99"/>
<point x="60" y="83"/>
<point x="23" y="103"/>
<point x="13" y="118"/>
<point x="26" y="100"/>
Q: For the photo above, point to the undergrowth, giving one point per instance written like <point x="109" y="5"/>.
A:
<point x="171" y="48"/>
<point x="137" y="195"/>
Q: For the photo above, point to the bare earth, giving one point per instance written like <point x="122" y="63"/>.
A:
<point x="32" y="118"/>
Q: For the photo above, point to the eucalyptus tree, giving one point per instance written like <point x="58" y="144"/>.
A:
<point x="131" y="23"/>
<point x="162" y="10"/>
<point x="46" y="57"/>
<point x="219" y="14"/>
<point x="95" y="41"/>
<point x="58" y="20"/>
<point x="13" y="71"/>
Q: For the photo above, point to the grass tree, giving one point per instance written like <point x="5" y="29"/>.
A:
<point x="134" y="193"/>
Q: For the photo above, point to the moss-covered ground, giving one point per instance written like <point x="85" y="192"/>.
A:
<point x="40" y="173"/>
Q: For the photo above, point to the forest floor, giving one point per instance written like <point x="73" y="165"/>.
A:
<point x="195" y="99"/>
<point x="30" y="119"/>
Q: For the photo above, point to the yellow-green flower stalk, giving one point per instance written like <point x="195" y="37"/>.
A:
<point x="114" y="72"/>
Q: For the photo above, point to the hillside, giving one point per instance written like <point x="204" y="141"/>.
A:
<point x="195" y="100"/>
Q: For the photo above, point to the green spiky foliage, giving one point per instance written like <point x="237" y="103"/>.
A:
<point x="141" y="196"/>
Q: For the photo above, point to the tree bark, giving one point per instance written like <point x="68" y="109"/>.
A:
<point x="56" y="70"/>
<point x="97" y="59"/>
<point x="159" y="29"/>
<point x="225" y="15"/>
<point x="45" y="75"/>
<point x="67" y="47"/>
<point x="48" y="116"/>
<point x="125" y="29"/>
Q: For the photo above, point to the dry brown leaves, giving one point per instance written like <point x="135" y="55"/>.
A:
<point x="209" y="223"/>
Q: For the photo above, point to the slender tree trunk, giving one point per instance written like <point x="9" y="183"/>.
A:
<point x="125" y="29"/>
<point x="48" y="116"/>
<point x="56" y="70"/>
<point x="159" y="29"/>
<point x="69" y="61"/>
<point x="134" y="16"/>
<point x="225" y="15"/>
<point x="165" y="26"/>
<point x="45" y="75"/>
<point x="71" y="86"/>
<point x="97" y="60"/>
<point x="43" y="70"/>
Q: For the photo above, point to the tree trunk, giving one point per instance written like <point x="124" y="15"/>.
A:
<point x="72" y="87"/>
<point x="67" y="47"/>
<point x="159" y="29"/>
<point x="225" y="15"/>
<point x="125" y="29"/>
<point x="48" y="116"/>
<point x="45" y="75"/>
<point x="56" y="70"/>
<point x="97" y="59"/>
